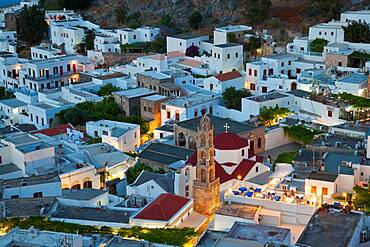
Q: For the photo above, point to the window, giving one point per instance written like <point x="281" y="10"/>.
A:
<point x="362" y="173"/>
<point x="255" y="72"/>
<point x="242" y="152"/>
<point x="177" y="116"/>
<point x="87" y="184"/>
<point x="339" y="63"/>
<point x="332" y="33"/>
<point x="313" y="189"/>
<point x="282" y="64"/>
<point x="324" y="191"/>
<point x="256" y="168"/>
<point x="289" y="62"/>
<point x="134" y="36"/>
<point x="14" y="196"/>
<point x="228" y="56"/>
<point x="144" y="108"/>
<point x="168" y="114"/>
<point x="236" y="55"/>
<point x="249" y="71"/>
<point x="320" y="33"/>
<point x="37" y="194"/>
<point x="195" y="112"/>
<point x="1" y="159"/>
<point x="135" y="135"/>
<point x="252" y="86"/>
<point x="187" y="188"/>
<point x="330" y="113"/>
<point x="259" y="142"/>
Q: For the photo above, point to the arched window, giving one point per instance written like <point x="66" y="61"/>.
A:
<point x="76" y="187"/>
<point x="177" y="116"/>
<point x="87" y="184"/>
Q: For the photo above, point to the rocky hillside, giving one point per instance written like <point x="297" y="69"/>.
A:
<point x="292" y="13"/>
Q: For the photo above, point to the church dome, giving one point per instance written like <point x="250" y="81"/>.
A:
<point x="229" y="141"/>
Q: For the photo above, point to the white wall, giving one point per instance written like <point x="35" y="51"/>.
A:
<point x="48" y="190"/>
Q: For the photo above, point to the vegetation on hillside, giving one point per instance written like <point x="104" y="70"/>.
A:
<point x="256" y="11"/>
<point x="170" y="236"/>
<point x="94" y="111"/>
<point x="233" y="98"/>
<point x="357" y="32"/>
<point x="195" y="19"/>
<point x="300" y="133"/>
<point x="327" y="9"/>
<point x="271" y="116"/>
<point x="317" y="45"/>
<point x="31" y="25"/>
<point x="67" y="4"/>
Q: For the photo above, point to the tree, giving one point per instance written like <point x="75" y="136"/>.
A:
<point x="120" y="14"/>
<point x="256" y="11"/>
<point x="108" y="90"/>
<point x="89" y="39"/>
<point x="166" y="20"/>
<point x="133" y="172"/>
<point x="270" y="116"/>
<point x="192" y="51"/>
<point x="4" y="94"/>
<point x="357" y="32"/>
<point x="31" y="25"/>
<point x="233" y="98"/>
<point x="300" y="134"/>
<point x="195" y="19"/>
<point x="317" y="45"/>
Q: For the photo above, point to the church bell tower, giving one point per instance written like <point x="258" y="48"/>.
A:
<point x="206" y="187"/>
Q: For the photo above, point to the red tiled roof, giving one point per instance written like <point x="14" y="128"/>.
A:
<point x="229" y="141"/>
<point x="163" y="208"/>
<point x="240" y="172"/>
<point x="228" y="76"/>
<point x="242" y="169"/>
<point x="61" y="129"/>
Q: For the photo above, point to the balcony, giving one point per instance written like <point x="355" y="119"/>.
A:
<point x="59" y="75"/>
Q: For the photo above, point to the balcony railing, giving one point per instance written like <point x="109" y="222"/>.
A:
<point x="59" y="75"/>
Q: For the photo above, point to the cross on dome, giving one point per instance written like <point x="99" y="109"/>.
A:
<point x="227" y="127"/>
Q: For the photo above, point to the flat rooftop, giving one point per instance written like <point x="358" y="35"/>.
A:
<point x="155" y="97"/>
<point x="267" y="97"/>
<point x="93" y="214"/>
<point x="155" y="74"/>
<point x="238" y="210"/>
<point x="227" y="45"/>
<point x="189" y="36"/>
<point x="33" y="180"/>
<point x="136" y="92"/>
<point x="258" y="233"/>
<point x="8" y="168"/>
<point x="355" y="78"/>
<point x="13" y="102"/>
<point x="83" y="195"/>
<point x="325" y="227"/>
<point x="165" y="153"/>
<point x="191" y="100"/>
